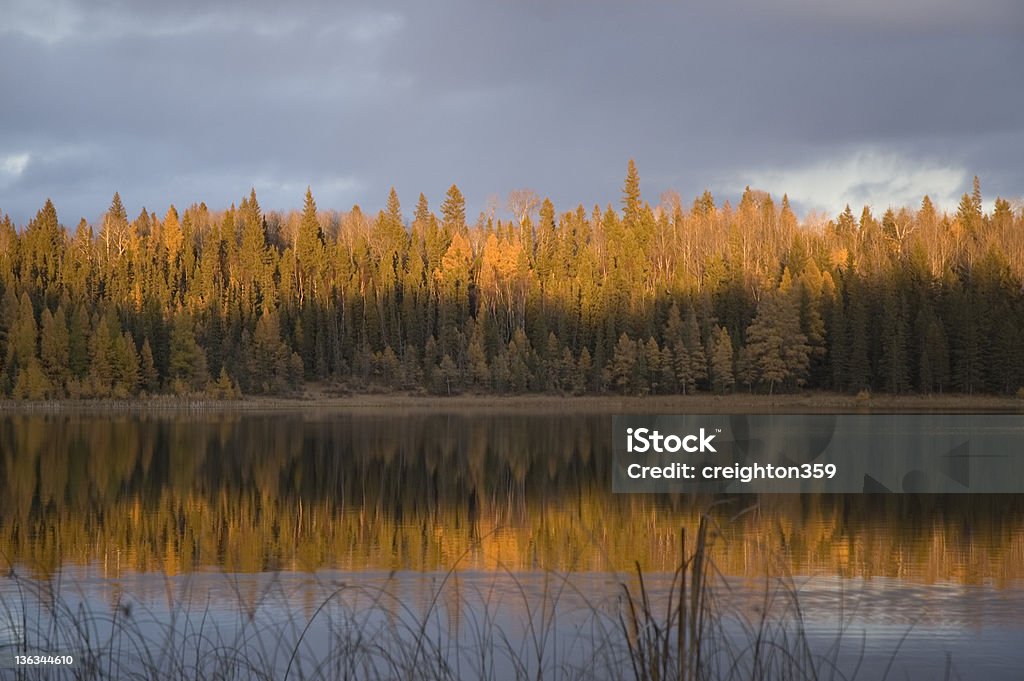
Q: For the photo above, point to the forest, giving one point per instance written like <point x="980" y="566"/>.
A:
<point x="631" y="298"/>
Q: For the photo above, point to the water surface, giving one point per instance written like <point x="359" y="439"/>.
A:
<point x="470" y="525"/>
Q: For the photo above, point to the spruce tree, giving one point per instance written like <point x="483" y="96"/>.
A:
<point x="453" y="212"/>
<point x="622" y="366"/>
<point x="148" y="376"/>
<point x="722" y="377"/>
<point x="23" y="335"/>
<point x="54" y="346"/>
<point x="309" y="250"/>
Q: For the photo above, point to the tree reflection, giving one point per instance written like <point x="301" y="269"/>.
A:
<point x="249" y="492"/>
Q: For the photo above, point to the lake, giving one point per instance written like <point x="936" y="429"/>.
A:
<point x="417" y="543"/>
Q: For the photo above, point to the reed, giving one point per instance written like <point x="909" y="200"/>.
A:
<point x="361" y="630"/>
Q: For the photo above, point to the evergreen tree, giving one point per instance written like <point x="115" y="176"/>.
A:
<point x="187" y="363"/>
<point x="893" y="368"/>
<point x="54" y="346"/>
<point x="43" y="250"/>
<point x="453" y="212"/>
<point x="722" y="377"/>
<point x="101" y="372"/>
<point x="933" y="365"/>
<point x="224" y="388"/>
<point x="309" y="250"/>
<point x="271" y="365"/>
<point x="125" y="364"/>
<point x="631" y="197"/>
<point x="32" y="383"/>
<point x="253" y="256"/>
<point x="584" y="370"/>
<point x="655" y="369"/>
<point x="148" y="375"/>
<point x="857" y="368"/>
<point x="622" y="368"/>
<point x="78" y="342"/>
<point x="777" y="351"/>
<point x="23" y="335"/>
<point x="479" y="369"/>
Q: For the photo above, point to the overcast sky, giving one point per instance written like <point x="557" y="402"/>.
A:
<point x="832" y="101"/>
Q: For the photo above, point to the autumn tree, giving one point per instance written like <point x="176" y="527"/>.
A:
<point x="308" y="250"/>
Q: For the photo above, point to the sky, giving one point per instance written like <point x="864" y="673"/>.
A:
<point x="872" y="102"/>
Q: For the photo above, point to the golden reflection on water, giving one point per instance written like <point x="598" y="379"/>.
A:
<point x="251" y="493"/>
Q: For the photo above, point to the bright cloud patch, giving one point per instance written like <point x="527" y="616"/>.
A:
<point x="875" y="178"/>
<point x="13" y="165"/>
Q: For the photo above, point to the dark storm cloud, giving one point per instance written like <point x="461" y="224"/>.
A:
<point x="193" y="101"/>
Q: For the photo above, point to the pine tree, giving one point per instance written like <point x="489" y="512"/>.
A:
<point x="253" y="257"/>
<point x="846" y="224"/>
<point x="893" y="367"/>
<point x="631" y="198"/>
<point x="448" y="375"/>
<point x="857" y="367"/>
<point x="309" y="250"/>
<point x="32" y="383"/>
<point x="722" y="377"/>
<point x="43" y="248"/>
<point x="520" y="361"/>
<point x="23" y="335"/>
<point x="148" y="376"/>
<point x="698" y="371"/>
<point x="622" y="368"/>
<point x="566" y="371"/>
<point x="453" y="212"/>
<point x="933" y="363"/>
<point x="101" y="372"/>
<point x="655" y="370"/>
<point x="683" y="365"/>
<point x="173" y="238"/>
<point x="673" y="325"/>
<point x="187" y="362"/>
<point x="777" y="351"/>
<point x="389" y="367"/>
<point x="78" y="342"/>
<point x="584" y="369"/>
<point x="547" y="248"/>
<point x="269" y="371"/>
<point x="224" y="388"/>
<point x="480" y="372"/>
<point x="54" y="346"/>
<point x="125" y="364"/>
<point x="682" y="336"/>
<point x="412" y="372"/>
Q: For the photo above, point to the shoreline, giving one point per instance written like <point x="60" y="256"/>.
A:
<point x="545" y="403"/>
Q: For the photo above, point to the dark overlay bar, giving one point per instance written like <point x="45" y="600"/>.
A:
<point x="873" y="453"/>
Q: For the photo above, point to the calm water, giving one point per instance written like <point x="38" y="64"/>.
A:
<point x="494" y="538"/>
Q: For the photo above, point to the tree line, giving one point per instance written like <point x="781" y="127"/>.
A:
<point x="632" y="299"/>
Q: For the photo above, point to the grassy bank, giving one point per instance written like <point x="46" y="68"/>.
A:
<point x="314" y="399"/>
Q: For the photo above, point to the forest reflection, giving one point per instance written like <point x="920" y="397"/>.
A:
<point x="246" y="492"/>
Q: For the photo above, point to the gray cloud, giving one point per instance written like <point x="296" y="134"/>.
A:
<point x="182" y="102"/>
